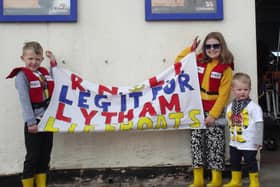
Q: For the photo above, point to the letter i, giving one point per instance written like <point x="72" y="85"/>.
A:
<point x="123" y="103"/>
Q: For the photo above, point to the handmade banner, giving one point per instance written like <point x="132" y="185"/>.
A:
<point x="168" y="101"/>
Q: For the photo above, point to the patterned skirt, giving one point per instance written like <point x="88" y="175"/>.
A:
<point x="208" y="147"/>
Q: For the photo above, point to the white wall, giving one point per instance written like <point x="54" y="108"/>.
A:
<point x="115" y="32"/>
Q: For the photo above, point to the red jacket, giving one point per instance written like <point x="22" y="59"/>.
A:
<point x="214" y="81"/>
<point x="36" y="86"/>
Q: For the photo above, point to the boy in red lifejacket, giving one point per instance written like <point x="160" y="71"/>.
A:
<point x="35" y="86"/>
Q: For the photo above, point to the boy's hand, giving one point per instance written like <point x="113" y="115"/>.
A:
<point x="195" y="43"/>
<point x="51" y="56"/>
<point x="259" y="147"/>
<point x="32" y="129"/>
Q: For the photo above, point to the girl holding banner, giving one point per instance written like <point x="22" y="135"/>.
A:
<point x="215" y="65"/>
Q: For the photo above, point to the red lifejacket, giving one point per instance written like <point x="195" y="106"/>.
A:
<point x="214" y="81"/>
<point x="215" y="77"/>
<point x="36" y="87"/>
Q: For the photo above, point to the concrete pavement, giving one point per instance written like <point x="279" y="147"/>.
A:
<point x="269" y="177"/>
<point x="148" y="177"/>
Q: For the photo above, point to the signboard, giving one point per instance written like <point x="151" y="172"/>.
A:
<point x="184" y="10"/>
<point x="38" y="10"/>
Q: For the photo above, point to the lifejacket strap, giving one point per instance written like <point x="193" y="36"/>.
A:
<point x="209" y="92"/>
<point x="43" y="104"/>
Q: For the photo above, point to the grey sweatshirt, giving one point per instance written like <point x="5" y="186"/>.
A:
<point x="22" y="86"/>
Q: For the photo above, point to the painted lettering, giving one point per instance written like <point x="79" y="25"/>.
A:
<point x="72" y="128"/>
<point x="183" y="80"/>
<point x="82" y="99"/>
<point x="174" y="103"/>
<point x="135" y="96"/>
<point x="59" y="113"/>
<point x="129" y="116"/>
<point x="155" y="91"/>
<point x="192" y="116"/>
<point x="161" y="122"/>
<point x="108" y="116"/>
<point x="63" y="94"/>
<point x="169" y="88"/>
<point x="144" y="123"/>
<point x="177" y="118"/>
<point x="147" y="108"/>
<point x="123" y="103"/>
<point x="88" y="116"/>
<point x="50" y="125"/>
<point x="102" y="89"/>
<point x="109" y="128"/>
<point x="126" y="126"/>
<point x="103" y="105"/>
<point x="76" y="82"/>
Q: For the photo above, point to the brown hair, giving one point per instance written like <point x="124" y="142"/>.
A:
<point x="35" y="46"/>
<point x="242" y="77"/>
<point x="226" y="56"/>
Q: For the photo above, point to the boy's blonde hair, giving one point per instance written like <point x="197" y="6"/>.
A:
<point x="35" y="46"/>
<point x="242" y="77"/>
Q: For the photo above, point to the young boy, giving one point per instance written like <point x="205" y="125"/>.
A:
<point x="246" y="131"/>
<point x="34" y="85"/>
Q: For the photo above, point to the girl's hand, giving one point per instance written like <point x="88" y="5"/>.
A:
<point x="209" y="121"/>
<point x="32" y="129"/>
<point x="195" y="43"/>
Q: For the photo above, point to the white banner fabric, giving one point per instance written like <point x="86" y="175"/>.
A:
<point x="168" y="101"/>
